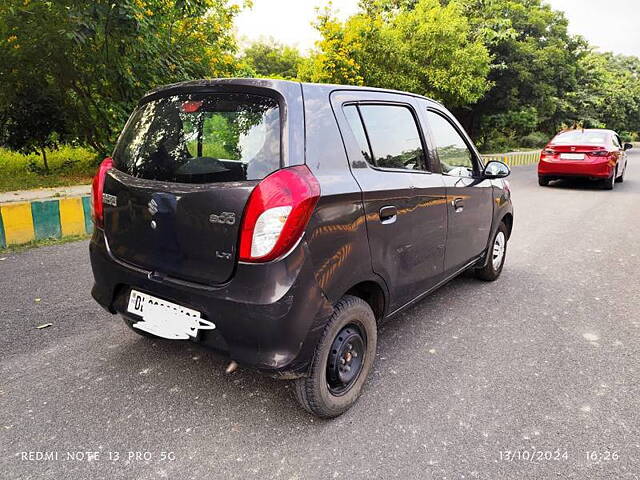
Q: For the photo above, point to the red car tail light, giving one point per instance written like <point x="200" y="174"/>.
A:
<point x="599" y="153"/>
<point x="97" y="187"/>
<point x="548" y="151"/>
<point x="277" y="213"/>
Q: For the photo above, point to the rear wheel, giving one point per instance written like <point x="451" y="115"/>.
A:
<point x="342" y="361"/>
<point x="497" y="254"/>
<point x="543" y="181"/>
<point x="610" y="182"/>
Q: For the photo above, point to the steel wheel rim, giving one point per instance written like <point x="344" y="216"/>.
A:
<point x="346" y="359"/>
<point x="498" y="250"/>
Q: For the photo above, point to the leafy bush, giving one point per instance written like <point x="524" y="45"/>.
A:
<point x="67" y="166"/>
<point x="534" y="140"/>
<point x="629" y="136"/>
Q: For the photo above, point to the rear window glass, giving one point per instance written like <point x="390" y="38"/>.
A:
<point x="202" y="138"/>
<point x="578" y="137"/>
<point x="391" y="134"/>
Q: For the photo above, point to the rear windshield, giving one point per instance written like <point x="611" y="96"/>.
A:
<point x="202" y="138"/>
<point x="579" y="137"/>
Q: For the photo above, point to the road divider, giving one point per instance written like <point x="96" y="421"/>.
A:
<point x="24" y="222"/>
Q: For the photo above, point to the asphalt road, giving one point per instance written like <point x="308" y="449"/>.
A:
<point x="543" y="360"/>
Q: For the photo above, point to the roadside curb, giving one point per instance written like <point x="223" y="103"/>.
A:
<point x="514" y="159"/>
<point x="24" y="222"/>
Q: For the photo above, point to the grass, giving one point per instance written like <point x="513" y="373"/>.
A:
<point x="67" y="166"/>
<point x="42" y="243"/>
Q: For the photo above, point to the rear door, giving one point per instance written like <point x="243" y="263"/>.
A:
<point x="469" y="197"/>
<point x="185" y="167"/>
<point x="403" y="200"/>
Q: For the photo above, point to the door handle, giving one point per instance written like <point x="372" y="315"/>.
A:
<point x="458" y="204"/>
<point x="388" y="214"/>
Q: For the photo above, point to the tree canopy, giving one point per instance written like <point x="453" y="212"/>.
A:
<point x="271" y="59"/>
<point x="73" y="70"/>
<point x="100" y="56"/>
<point x="509" y="69"/>
<point x="427" y="49"/>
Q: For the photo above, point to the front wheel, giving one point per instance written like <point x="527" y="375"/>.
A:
<point x="497" y="254"/>
<point x="620" y="179"/>
<point x="342" y="361"/>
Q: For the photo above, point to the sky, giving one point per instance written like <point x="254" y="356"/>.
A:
<point x="611" y="25"/>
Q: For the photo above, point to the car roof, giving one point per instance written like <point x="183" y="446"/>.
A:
<point x="605" y="130"/>
<point x="275" y="84"/>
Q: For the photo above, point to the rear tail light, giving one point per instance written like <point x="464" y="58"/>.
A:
<point x="97" y="187"/>
<point x="548" y="151"/>
<point x="277" y="213"/>
<point x="599" y="153"/>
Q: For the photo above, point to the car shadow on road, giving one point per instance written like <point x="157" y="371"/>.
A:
<point x="584" y="184"/>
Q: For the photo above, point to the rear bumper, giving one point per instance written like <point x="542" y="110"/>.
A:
<point x="269" y="316"/>
<point x="595" y="170"/>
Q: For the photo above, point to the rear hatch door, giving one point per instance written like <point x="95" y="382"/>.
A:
<point x="186" y="231"/>
<point x="185" y="166"/>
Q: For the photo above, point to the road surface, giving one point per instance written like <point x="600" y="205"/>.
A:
<point x="467" y="384"/>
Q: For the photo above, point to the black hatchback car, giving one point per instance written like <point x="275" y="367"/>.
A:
<point x="281" y="222"/>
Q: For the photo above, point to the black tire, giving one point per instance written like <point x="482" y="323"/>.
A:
<point x="491" y="272"/>
<point x="351" y="316"/>
<point x="620" y="179"/>
<point x="543" y="181"/>
<point x="610" y="182"/>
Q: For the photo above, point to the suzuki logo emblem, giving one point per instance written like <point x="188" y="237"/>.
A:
<point x="153" y="207"/>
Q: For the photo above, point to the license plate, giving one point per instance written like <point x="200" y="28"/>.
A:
<point x="572" y="156"/>
<point x="166" y="319"/>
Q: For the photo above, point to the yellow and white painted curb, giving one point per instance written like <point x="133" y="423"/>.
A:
<point x="514" y="159"/>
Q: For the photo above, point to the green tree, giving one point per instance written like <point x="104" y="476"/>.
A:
<point x="101" y="56"/>
<point x="34" y="123"/>
<point x="533" y="70"/>
<point x="271" y="59"/>
<point x="420" y="46"/>
<point x="608" y="92"/>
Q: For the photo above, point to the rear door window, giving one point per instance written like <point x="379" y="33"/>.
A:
<point x="202" y="138"/>
<point x="390" y="137"/>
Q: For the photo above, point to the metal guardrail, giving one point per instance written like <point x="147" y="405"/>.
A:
<point x="514" y="158"/>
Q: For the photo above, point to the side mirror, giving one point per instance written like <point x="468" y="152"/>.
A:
<point x="495" y="169"/>
<point x="628" y="146"/>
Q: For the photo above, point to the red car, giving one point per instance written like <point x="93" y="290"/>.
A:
<point x="595" y="154"/>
